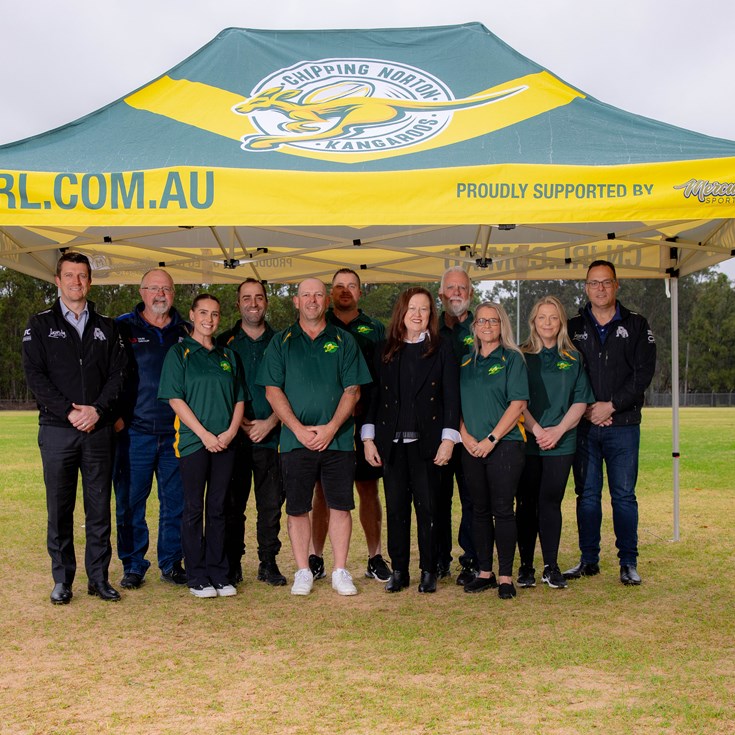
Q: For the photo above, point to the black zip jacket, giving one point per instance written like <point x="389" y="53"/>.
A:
<point x="62" y="369"/>
<point x="621" y="369"/>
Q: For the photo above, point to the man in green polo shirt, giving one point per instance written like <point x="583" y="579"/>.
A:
<point x="368" y="332"/>
<point x="256" y="446"/>
<point x="312" y="372"/>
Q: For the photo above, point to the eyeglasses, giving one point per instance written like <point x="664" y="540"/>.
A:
<point x="607" y="283"/>
<point x="481" y="321"/>
<point x="156" y="289"/>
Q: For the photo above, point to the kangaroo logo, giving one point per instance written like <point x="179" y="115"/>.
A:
<point x="349" y="105"/>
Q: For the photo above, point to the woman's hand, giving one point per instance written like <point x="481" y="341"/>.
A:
<point x="444" y="453"/>
<point x="483" y="448"/>
<point x="371" y="453"/>
<point x="211" y="442"/>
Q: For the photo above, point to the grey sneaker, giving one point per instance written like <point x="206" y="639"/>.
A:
<point x="203" y="590"/>
<point x="302" y="582"/>
<point x="342" y="582"/>
<point x="225" y="590"/>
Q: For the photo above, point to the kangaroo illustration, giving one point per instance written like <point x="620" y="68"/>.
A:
<point x="346" y="114"/>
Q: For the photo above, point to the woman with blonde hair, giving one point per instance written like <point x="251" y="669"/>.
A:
<point x="559" y="394"/>
<point x="494" y="391"/>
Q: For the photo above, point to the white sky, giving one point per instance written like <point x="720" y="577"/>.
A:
<point x="666" y="59"/>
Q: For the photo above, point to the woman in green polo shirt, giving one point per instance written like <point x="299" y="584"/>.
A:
<point x="494" y="390"/>
<point x="560" y="392"/>
<point x="204" y="385"/>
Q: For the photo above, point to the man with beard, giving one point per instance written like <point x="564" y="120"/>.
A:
<point x="455" y="322"/>
<point x="368" y="332"/>
<point x="256" y="447"/>
<point x="145" y="436"/>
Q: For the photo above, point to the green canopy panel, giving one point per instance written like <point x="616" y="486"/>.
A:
<point x="399" y="152"/>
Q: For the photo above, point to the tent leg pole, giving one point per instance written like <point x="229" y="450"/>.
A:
<point x="675" y="397"/>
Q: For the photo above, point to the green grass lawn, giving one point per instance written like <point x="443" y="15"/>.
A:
<point x="595" y="658"/>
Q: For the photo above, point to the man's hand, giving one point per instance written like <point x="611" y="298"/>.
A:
<point x="83" y="418"/>
<point x="600" y="413"/>
<point x="371" y="453"/>
<point x="323" y="436"/>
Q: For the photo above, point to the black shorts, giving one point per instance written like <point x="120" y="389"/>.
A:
<point x="363" y="470"/>
<point x="301" y="468"/>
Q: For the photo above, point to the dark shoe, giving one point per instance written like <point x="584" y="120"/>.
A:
<point x="131" y="581"/>
<point x="506" y="591"/>
<point x="316" y="566"/>
<point x="468" y="573"/>
<point x="443" y="570"/>
<point x="175" y="575"/>
<point x="61" y="594"/>
<point x="377" y="569"/>
<point x="629" y="574"/>
<point x="554" y="578"/>
<point x="583" y="569"/>
<point x="104" y="590"/>
<point x="480" y="584"/>
<point x="398" y="581"/>
<point x="526" y="576"/>
<point x="428" y="582"/>
<point x="269" y="572"/>
<point x="235" y="575"/>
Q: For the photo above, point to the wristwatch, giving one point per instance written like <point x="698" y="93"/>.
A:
<point x="492" y="438"/>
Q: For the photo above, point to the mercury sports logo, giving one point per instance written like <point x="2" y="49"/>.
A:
<point x="330" y="347"/>
<point x="347" y="105"/>
<point x="495" y="369"/>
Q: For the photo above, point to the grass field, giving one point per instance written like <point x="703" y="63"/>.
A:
<point x="595" y="658"/>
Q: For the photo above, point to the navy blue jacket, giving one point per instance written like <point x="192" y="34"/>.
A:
<point x="147" y="346"/>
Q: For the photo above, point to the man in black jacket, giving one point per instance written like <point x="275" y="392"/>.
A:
<point x="74" y="362"/>
<point x="620" y="357"/>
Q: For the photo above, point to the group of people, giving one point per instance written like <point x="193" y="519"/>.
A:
<point x="332" y="401"/>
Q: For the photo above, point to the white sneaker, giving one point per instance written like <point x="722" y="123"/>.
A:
<point x="203" y="590"/>
<point x="302" y="582"/>
<point x="225" y="590"/>
<point x="342" y="582"/>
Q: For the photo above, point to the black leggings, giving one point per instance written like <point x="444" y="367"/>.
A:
<point x="538" y="506"/>
<point x="492" y="482"/>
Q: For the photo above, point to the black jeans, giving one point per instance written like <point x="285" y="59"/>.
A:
<point x="407" y="477"/>
<point x="493" y="481"/>
<point x="259" y="467"/>
<point x="538" y="507"/>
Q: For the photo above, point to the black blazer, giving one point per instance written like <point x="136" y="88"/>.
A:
<point x="436" y="401"/>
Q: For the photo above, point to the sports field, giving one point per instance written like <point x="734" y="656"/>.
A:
<point x="595" y="658"/>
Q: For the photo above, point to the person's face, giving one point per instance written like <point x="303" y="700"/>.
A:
<point x="345" y="292"/>
<point x="417" y="314"/>
<point x="74" y="283"/>
<point x="487" y="325"/>
<point x="205" y="318"/>
<point x="547" y="324"/>
<point x="157" y="292"/>
<point x="252" y="304"/>
<point x="601" y="287"/>
<point x="312" y="300"/>
<point x="456" y="294"/>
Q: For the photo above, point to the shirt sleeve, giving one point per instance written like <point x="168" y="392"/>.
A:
<point x="172" y="383"/>
<point x="517" y="386"/>
<point x="354" y="370"/>
<point x="629" y="393"/>
<point x="272" y="370"/>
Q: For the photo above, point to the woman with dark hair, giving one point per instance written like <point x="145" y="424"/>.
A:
<point x="205" y="387"/>
<point x="559" y="394"/>
<point x="494" y="389"/>
<point x="411" y="429"/>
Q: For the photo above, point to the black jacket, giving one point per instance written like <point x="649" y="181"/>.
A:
<point x="436" y="400"/>
<point x="62" y="369"/>
<point x="621" y="369"/>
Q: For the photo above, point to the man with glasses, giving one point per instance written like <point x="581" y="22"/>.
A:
<point x="620" y="358"/>
<point x="146" y="436"/>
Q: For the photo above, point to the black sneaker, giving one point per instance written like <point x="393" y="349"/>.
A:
<point x="269" y="572"/>
<point x="554" y="578"/>
<point x="443" y="570"/>
<point x="316" y="566"/>
<point x="378" y="569"/>
<point x="480" y="584"/>
<point x="506" y="591"/>
<point x="235" y="575"/>
<point x="468" y="573"/>
<point x="131" y="581"/>
<point x="175" y="575"/>
<point x="526" y="576"/>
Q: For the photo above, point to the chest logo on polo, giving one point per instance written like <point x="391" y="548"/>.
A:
<point x="495" y="369"/>
<point x="622" y="332"/>
<point x="225" y="366"/>
<point x="468" y="340"/>
<point x="362" y="329"/>
<point x="563" y="365"/>
<point x="330" y="347"/>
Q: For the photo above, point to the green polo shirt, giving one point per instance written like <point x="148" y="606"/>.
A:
<point x="459" y="335"/>
<point x="251" y="353"/>
<point x="487" y="386"/>
<point x="313" y="374"/>
<point x="556" y="381"/>
<point x="210" y="381"/>
<point x="366" y="331"/>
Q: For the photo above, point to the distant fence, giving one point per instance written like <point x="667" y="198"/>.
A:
<point x="700" y="400"/>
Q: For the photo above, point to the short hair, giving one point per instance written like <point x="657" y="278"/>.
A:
<point x="72" y="257"/>
<point x="455" y="269"/>
<point x="606" y="263"/>
<point x="203" y="297"/>
<point x="252" y="280"/>
<point x="347" y="271"/>
<point x="156" y="270"/>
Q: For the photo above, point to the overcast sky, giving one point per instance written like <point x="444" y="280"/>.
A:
<point x="671" y="60"/>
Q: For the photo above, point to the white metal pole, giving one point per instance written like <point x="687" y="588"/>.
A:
<point x="674" y="283"/>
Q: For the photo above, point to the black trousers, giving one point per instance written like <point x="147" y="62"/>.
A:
<point x="538" y="505"/>
<point x="259" y="467"/>
<point x="65" y="453"/>
<point x="409" y="477"/>
<point x="206" y="478"/>
<point x="493" y="481"/>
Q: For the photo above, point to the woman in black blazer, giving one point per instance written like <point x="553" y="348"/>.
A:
<point x="411" y="429"/>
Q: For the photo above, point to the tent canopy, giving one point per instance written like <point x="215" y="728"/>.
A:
<point x="287" y="154"/>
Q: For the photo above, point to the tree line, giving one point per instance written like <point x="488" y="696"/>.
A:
<point x="706" y="318"/>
